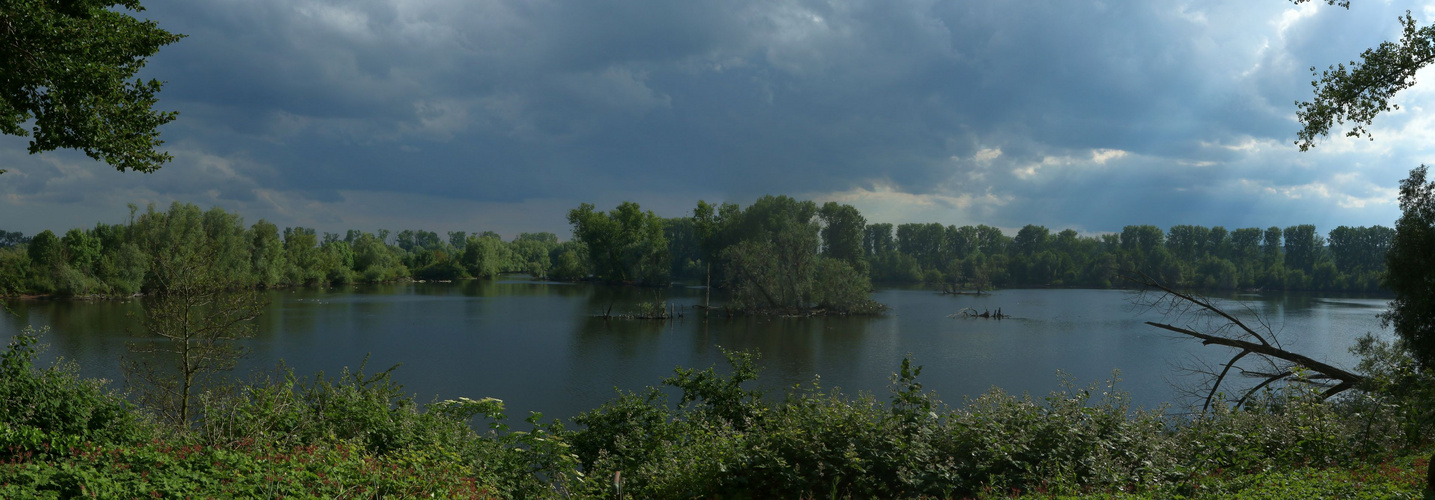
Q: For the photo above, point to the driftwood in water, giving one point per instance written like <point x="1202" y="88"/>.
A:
<point x="1203" y="320"/>
<point x="985" y="314"/>
<point x="659" y="309"/>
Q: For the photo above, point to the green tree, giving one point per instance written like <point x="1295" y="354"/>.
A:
<point x="67" y="66"/>
<point x="195" y="321"/>
<point x="531" y="252"/>
<point x="1360" y="91"/>
<point x="569" y="262"/>
<point x="1408" y="271"/>
<point x="842" y="233"/>
<point x="1030" y="240"/>
<point x="304" y="262"/>
<point x="82" y="250"/>
<point x="1303" y="247"/>
<point x="626" y="245"/>
<point x="484" y="256"/>
<point x="374" y="261"/>
<point x="877" y="239"/>
<point x="46" y="256"/>
<point x="266" y="254"/>
<point x="685" y="246"/>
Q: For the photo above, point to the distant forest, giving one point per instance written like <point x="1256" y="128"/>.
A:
<point x="771" y="237"/>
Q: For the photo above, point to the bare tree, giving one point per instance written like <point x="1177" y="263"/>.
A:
<point x="194" y="317"/>
<point x="1199" y="317"/>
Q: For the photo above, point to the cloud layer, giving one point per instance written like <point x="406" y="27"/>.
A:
<point x="501" y="114"/>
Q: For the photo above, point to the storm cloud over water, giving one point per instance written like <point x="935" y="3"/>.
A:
<point x="463" y="115"/>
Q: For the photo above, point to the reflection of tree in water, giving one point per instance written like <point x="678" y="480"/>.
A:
<point x="792" y="349"/>
<point x="79" y="329"/>
<point x="517" y="285"/>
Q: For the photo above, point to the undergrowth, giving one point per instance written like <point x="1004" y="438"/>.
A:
<point x="358" y="435"/>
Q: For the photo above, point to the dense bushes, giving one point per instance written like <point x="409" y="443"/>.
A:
<point x="53" y="409"/>
<point x="723" y="441"/>
<point x="358" y="435"/>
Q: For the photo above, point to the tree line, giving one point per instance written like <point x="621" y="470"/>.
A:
<point x="122" y="259"/>
<point x="778" y="253"/>
<point x="1294" y="258"/>
<point x="777" y="234"/>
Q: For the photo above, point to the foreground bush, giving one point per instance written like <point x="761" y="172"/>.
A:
<point x="278" y="435"/>
<point x="720" y="440"/>
<point x="357" y="435"/>
<point x="53" y="408"/>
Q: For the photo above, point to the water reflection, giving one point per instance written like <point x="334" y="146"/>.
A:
<point x="538" y="346"/>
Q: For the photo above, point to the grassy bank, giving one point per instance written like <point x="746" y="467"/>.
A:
<point x="358" y="435"/>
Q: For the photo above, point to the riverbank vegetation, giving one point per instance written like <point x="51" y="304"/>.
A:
<point x="776" y="254"/>
<point x="358" y="434"/>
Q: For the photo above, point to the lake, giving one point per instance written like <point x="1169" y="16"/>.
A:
<point x="538" y="346"/>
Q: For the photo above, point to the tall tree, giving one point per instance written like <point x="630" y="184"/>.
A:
<point x="842" y="232"/>
<point x="1303" y="247"/>
<point x="1408" y="271"/>
<point x="197" y="322"/>
<point x="626" y="245"/>
<point x="67" y="65"/>
<point x="877" y="239"/>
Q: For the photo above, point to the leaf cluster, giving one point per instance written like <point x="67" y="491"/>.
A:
<point x="1359" y="91"/>
<point x="67" y="66"/>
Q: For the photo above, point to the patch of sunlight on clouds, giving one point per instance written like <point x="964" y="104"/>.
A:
<point x="1097" y="157"/>
<point x="1247" y="144"/>
<point x="1101" y="156"/>
<point x="883" y="202"/>
<point x="348" y="22"/>
<point x="1290" y="17"/>
<point x="1344" y="190"/>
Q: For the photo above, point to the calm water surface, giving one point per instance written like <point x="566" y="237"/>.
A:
<point x="537" y="346"/>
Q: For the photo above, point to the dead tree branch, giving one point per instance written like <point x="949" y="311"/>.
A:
<point x="1333" y="379"/>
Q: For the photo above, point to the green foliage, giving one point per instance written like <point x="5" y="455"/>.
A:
<point x="193" y="321"/>
<point x="52" y="408"/>
<point x="769" y="256"/>
<point x="837" y="287"/>
<point x="531" y="253"/>
<point x="569" y="261"/>
<point x="1409" y="272"/>
<point x="484" y="257"/>
<point x="359" y="435"/>
<point x="303" y="262"/>
<point x="14" y="271"/>
<point x="626" y="245"/>
<point x="268" y="265"/>
<point x="68" y="67"/>
<point x="1362" y="91"/>
<point x="842" y="232"/>
<point x="732" y="443"/>
<point x="774" y="235"/>
<point x="371" y="415"/>
<point x="374" y="261"/>
<point x="1398" y="401"/>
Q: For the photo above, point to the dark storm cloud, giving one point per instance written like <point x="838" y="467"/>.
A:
<point x="506" y="101"/>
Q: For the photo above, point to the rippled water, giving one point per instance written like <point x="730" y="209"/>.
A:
<point x="539" y="347"/>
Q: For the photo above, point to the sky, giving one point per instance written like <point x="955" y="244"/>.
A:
<point x="464" y="115"/>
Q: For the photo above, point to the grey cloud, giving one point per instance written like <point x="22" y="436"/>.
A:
<point x="511" y="100"/>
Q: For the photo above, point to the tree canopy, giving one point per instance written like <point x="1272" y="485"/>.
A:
<point x="68" y="67"/>
<point x="1359" y="91"/>
<point x="1410" y="275"/>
